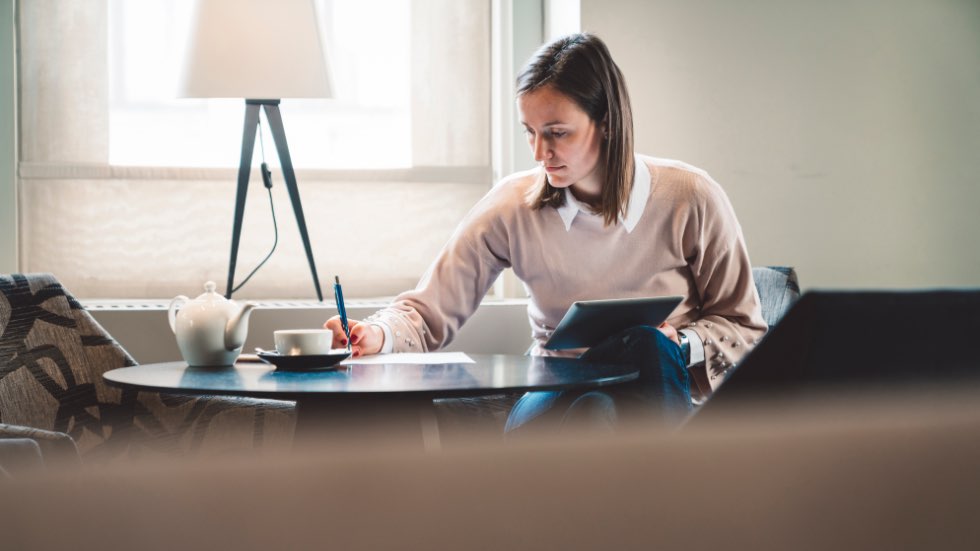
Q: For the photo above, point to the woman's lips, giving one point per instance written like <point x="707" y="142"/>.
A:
<point x="554" y="168"/>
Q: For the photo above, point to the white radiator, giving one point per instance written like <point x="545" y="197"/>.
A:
<point x="141" y="327"/>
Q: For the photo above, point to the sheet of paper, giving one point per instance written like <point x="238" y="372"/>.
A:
<point x="413" y="358"/>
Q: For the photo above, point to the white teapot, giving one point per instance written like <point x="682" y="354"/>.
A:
<point x="210" y="329"/>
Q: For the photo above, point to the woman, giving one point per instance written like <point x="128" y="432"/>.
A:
<point x="593" y="221"/>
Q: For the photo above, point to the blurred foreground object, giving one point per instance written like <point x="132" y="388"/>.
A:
<point x="860" y="471"/>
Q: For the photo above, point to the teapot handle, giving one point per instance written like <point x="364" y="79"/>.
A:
<point x="172" y="311"/>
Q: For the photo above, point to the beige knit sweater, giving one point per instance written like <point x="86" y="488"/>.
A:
<point x="678" y="237"/>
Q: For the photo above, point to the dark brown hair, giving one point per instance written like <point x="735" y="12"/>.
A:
<point x="580" y="67"/>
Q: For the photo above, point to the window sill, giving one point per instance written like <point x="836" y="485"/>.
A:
<point x="482" y="175"/>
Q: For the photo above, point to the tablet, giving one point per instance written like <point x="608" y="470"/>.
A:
<point x="588" y="322"/>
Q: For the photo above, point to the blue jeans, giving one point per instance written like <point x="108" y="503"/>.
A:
<point x="661" y="395"/>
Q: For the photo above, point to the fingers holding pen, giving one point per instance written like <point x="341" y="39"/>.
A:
<point x="339" y="337"/>
<point x="365" y="338"/>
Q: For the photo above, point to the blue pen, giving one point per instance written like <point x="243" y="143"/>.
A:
<point x="338" y="295"/>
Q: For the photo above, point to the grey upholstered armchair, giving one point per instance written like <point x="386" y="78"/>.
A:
<point x="778" y="289"/>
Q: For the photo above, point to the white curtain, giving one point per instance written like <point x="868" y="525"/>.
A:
<point x="147" y="232"/>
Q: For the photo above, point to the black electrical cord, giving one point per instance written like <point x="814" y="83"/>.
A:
<point x="267" y="181"/>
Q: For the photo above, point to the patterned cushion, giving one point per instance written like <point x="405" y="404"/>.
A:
<point x="52" y="356"/>
<point x="461" y="419"/>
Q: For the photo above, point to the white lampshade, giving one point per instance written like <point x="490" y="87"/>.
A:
<point x="255" y="49"/>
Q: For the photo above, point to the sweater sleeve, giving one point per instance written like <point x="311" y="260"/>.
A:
<point x="730" y="322"/>
<point x="429" y="316"/>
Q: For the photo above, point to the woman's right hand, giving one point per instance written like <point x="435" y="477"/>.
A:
<point x="366" y="339"/>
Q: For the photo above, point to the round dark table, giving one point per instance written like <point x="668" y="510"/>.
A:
<point x="362" y="399"/>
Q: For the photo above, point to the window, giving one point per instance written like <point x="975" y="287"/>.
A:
<point x="116" y="204"/>
<point x="366" y="124"/>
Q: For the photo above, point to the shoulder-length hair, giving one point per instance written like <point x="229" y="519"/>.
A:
<point x="580" y="67"/>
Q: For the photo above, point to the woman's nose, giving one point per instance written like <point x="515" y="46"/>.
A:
<point x="541" y="151"/>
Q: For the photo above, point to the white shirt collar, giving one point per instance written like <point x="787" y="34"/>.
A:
<point x="637" y="202"/>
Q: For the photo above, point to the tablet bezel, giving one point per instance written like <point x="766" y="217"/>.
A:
<point x="588" y="322"/>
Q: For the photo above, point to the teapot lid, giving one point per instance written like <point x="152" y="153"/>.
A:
<point x="210" y="295"/>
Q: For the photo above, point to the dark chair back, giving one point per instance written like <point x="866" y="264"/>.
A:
<point x="854" y="340"/>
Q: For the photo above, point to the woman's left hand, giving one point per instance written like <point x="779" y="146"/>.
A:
<point x="671" y="333"/>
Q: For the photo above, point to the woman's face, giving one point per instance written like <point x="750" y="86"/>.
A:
<point x="564" y="140"/>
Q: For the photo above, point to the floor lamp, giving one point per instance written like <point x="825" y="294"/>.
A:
<point x="258" y="50"/>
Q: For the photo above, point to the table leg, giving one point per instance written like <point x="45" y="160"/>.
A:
<point x="342" y="422"/>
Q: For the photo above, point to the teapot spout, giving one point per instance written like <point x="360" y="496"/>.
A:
<point x="237" y="327"/>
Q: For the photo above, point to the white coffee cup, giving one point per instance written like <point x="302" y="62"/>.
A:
<point x="303" y="342"/>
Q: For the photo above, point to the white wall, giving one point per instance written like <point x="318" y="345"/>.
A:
<point x="847" y="133"/>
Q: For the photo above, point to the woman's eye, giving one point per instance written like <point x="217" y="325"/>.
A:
<point x="558" y="134"/>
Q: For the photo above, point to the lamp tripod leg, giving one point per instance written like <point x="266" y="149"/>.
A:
<point x="279" y="136"/>
<point x="244" y="170"/>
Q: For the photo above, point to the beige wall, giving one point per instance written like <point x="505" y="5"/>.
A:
<point x="847" y="134"/>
